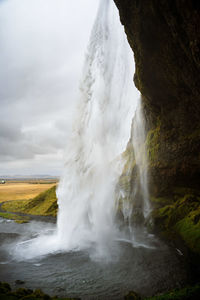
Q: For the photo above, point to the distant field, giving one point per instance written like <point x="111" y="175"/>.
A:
<point x="13" y="190"/>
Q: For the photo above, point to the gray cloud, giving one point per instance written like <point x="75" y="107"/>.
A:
<point x="42" y="45"/>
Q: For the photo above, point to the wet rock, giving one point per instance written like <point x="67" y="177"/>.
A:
<point x="137" y="218"/>
<point x="165" y="38"/>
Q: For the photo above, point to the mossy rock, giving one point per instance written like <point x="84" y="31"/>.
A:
<point x="189" y="230"/>
<point x="153" y="144"/>
<point x="183" y="218"/>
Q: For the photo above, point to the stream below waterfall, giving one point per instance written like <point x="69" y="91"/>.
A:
<point x="146" y="270"/>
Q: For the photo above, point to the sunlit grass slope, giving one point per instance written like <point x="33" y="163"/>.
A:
<point x="22" y="190"/>
<point x="44" y="204"/>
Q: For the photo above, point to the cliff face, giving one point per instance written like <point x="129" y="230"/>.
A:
<point x="165" y="38"/>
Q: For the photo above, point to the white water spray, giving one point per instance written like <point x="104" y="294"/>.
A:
<point x="140" y="154"/>
<point x="133" y="196"/>
<point x="102" y="129"/>
<point x="87" y="191"/>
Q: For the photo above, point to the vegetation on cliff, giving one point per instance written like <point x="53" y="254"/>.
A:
<point x="181" y="216"/>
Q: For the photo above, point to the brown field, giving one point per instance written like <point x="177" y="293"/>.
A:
<point x="18" y="190"/>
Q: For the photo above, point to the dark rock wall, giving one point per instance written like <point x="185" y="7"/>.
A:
<point x="165" y="38"/>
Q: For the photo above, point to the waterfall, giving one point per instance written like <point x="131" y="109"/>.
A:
<point x="133" y="196"/>
<point x="87" y="190"/>
<point x="139" y="147"/>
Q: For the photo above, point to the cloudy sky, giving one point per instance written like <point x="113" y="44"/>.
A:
<point x="42" y="46"/>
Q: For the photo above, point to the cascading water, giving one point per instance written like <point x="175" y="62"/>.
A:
<point x="139" y="207"/>
<point x="133" y="193"/>
<point x="139" y="147"/>
<point x="87" y="193"/>
<point x="102" y="129"/>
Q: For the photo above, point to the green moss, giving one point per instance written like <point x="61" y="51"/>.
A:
<point x="189" y="231"/>
<point x="160" y="201"/>
<point x="183" y="217"/>
<point x="127" y="177"/>
<point x="153" y="143"/>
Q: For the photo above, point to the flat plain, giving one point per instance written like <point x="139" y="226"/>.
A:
<point x="24" y="190"/>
